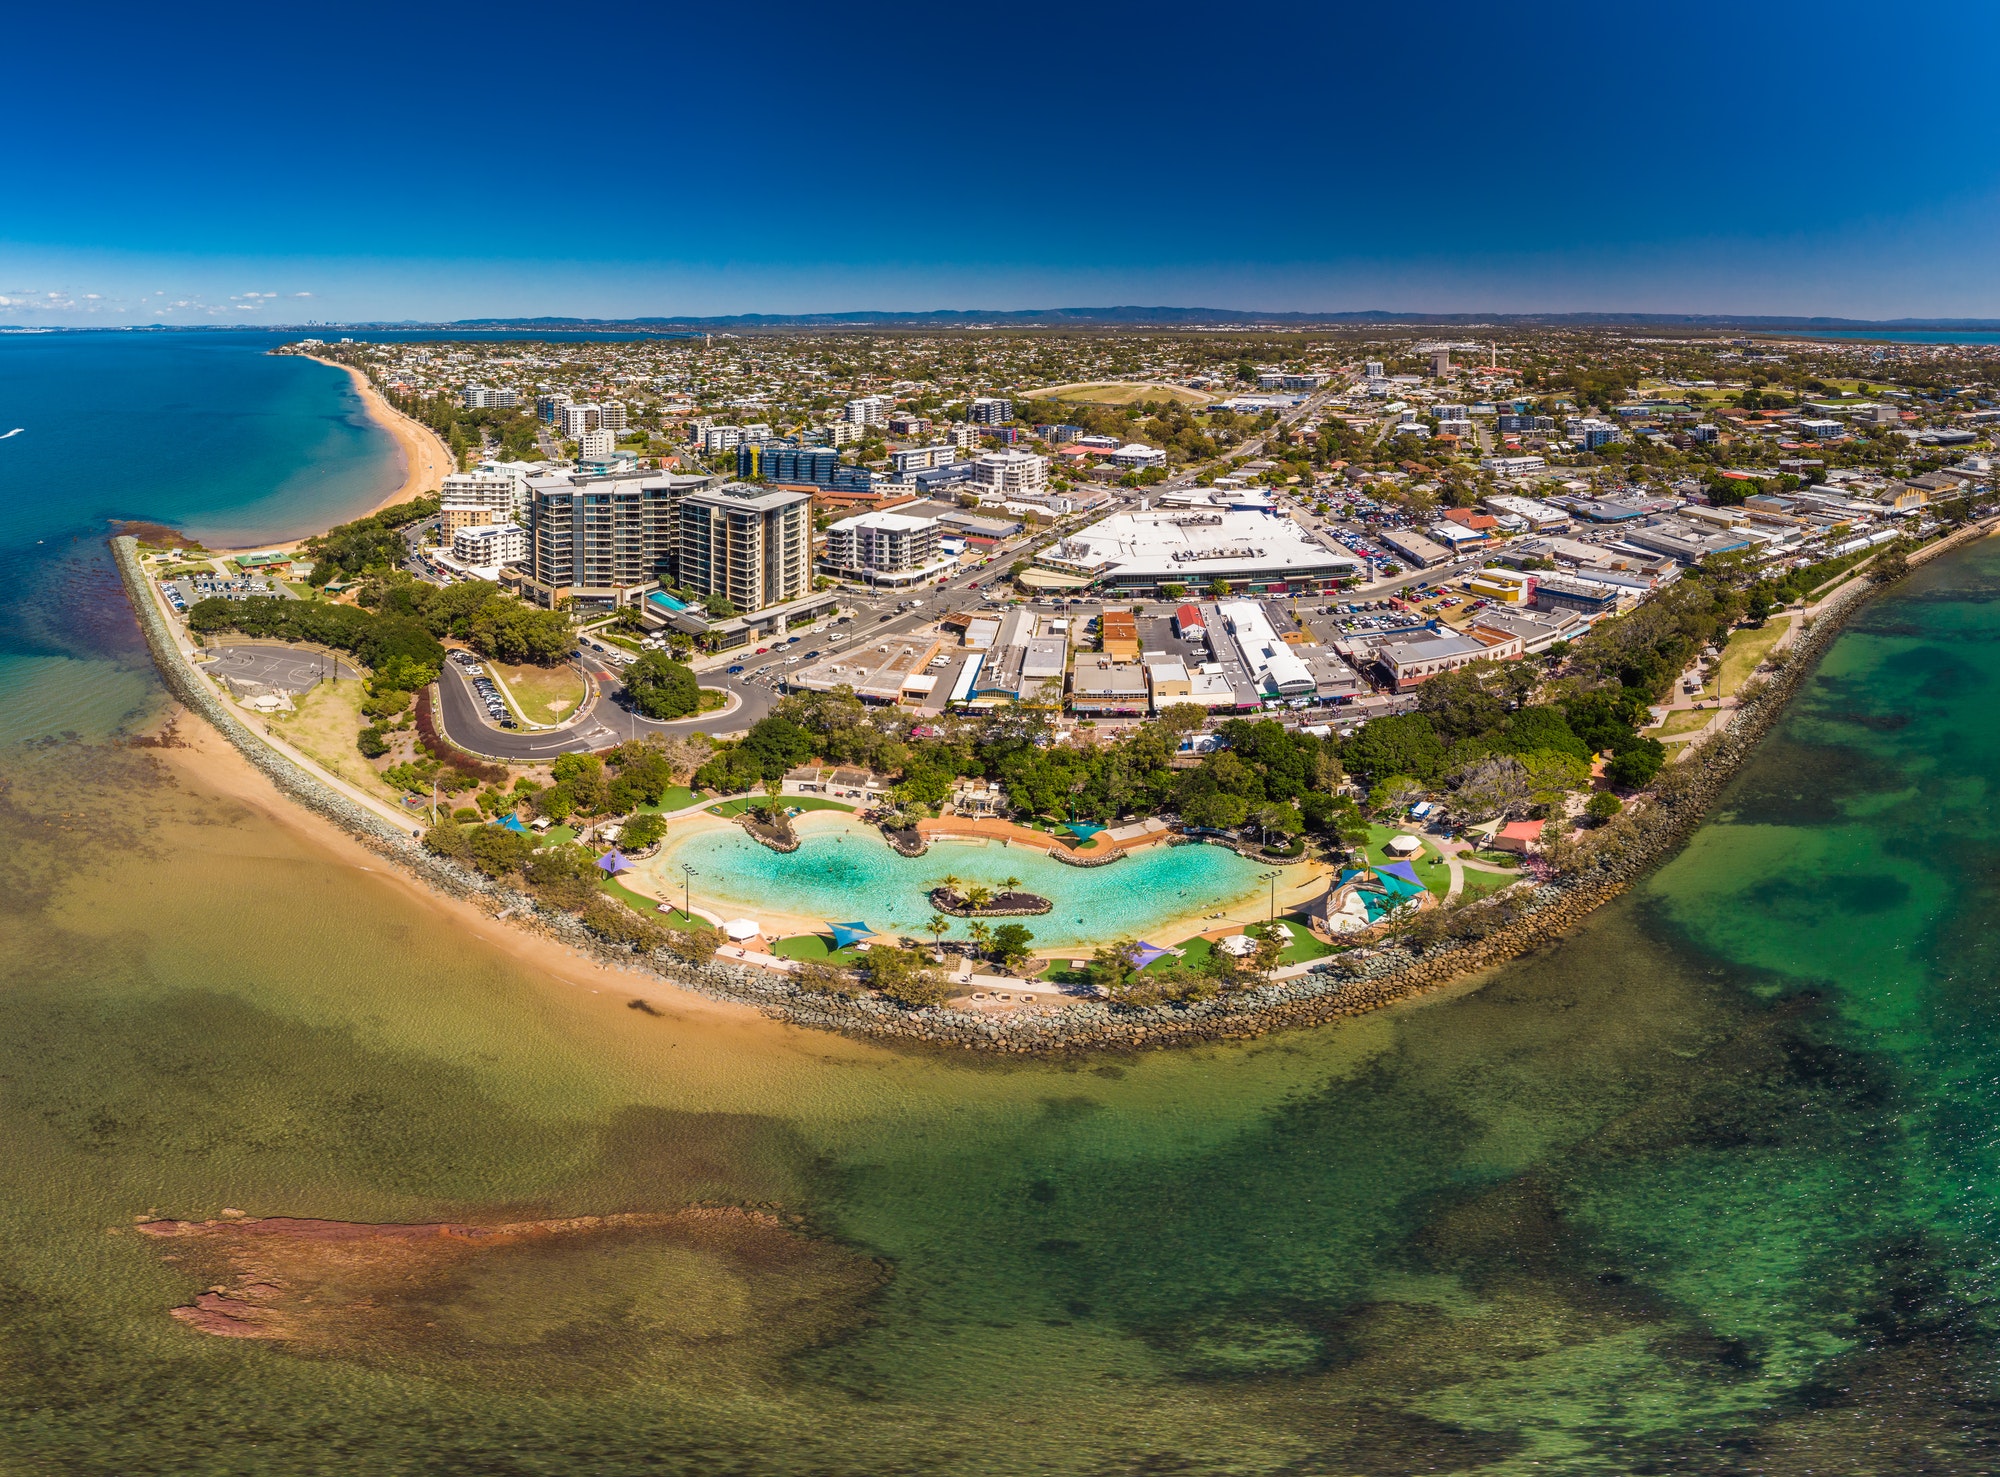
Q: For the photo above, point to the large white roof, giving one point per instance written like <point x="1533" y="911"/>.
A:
<point x="1195" y="545"/>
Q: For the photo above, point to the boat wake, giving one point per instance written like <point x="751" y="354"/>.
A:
<point x="15" y="432"/>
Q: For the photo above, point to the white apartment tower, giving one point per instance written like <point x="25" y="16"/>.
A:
<point x="1011" y="472"/>
<point x="751" y="545"/>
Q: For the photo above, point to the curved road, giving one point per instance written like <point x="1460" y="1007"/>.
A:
<point x="605" y="718"/>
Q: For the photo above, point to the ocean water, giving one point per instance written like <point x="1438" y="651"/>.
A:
<point x="1707" y="1187"/>
<point x="842" y="871"/>
<point x="205" y="432"/>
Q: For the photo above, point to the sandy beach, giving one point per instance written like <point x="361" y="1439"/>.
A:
<point x="209" y="765"/>
<point x="426" y="459"/>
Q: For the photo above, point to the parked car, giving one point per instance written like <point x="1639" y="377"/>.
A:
<point x="736" y="669"/>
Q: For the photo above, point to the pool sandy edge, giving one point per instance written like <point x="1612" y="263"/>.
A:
<point x="1302" y="881"/>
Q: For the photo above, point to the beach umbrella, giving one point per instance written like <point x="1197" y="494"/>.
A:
<point x="739" y="929"/>
<point x="849" y="933"/>
<point x="614" y="862"/>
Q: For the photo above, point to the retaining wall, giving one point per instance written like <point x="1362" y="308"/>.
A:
<point x="1363" y="980"/>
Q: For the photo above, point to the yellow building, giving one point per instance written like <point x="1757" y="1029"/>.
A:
<point x="1508" y="586"/>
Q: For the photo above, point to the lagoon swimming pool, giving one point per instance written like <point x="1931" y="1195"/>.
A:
<point x="843" y="870"/>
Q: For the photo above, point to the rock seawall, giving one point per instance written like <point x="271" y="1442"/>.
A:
<point x="1361" y="981"/>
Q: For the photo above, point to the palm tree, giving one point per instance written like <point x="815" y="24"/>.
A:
<point x="978" y="896"/>
<point x="982" y="936"/>
<point x="937" y="926"/>
<point x="1010" y="883"/>
<point x="949" y="882"/>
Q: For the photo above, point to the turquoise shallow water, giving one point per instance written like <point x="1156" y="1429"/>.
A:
<point x="843" y="871"/>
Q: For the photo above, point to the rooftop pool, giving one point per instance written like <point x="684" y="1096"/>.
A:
<point x="843" y="871"/>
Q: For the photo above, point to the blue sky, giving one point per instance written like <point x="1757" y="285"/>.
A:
<point x="277" y="164"/>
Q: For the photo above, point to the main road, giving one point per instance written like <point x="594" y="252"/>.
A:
<point x="606" y="717"/>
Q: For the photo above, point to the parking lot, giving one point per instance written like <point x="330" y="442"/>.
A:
<point x="485" y="690"/>
<point x="281" y="668"/>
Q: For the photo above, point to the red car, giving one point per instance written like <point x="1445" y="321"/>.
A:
<point x="762" y="649"/>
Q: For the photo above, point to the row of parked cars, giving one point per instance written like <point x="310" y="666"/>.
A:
<point x="486" y="688"/>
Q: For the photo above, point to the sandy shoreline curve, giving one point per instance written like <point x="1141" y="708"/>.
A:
<point x="426" y="459"/>
<point x="655" y="878"/>
<point x="1387" y="974"/>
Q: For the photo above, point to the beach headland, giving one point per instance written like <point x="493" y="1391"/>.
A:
<point x="1400" y="969"/>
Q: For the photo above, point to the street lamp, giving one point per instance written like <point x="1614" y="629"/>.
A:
<point x="1272" y="878"/>
<point x="687" y="894"/>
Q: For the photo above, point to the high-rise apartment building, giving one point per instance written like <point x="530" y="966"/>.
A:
<point x="597" y="539"/>
<point x="598" y="445"/>
<point x="574" y="420"/>
<point x="818" y="466"/>
<point x="921" y="458"/>
<point x="870" y="410"/>
<point x="502" y="492"/>
<point x="611" y="416"/>
<point x="479" y="397"/>
<point x="990" y="410"/>
<point x="1010" y="472"/>
<point x="548" y="407"/>
<point x="490" y="544"/>
<point x="751" y="545"/>
<point x="887" y="548"/>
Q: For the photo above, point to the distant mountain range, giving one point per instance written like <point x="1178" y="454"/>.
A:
<point x="1167" y="317"/>
<point x="1127" y="317"/>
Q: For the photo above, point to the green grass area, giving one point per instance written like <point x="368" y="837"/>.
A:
<point x="676" y="797"/>
<point x="642" y="904"/>
<point x="1499" y="858"/>
<point x="544" y="694"/>
<point x="1682" y="721"/>
<point x="814" y="948"/>
<point x="1478" y="884"/>
<point x="1740" y="657"/>
<point x="1304" y="948"/>
<point x="614" y="639"/>
<point x="712" y="699"/>
<point x="1123" y="392"/>
<point x="559" y="836"/>
<point x="1437" y="879"/>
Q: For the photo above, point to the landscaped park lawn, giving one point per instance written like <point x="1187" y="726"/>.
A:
<point x="639" y="903"/>
<point x="1437" y="879"/>
<point x="673" y="798"/>
<point x="815" y="949"/>
<point x="1478" y="884"/>
<point x="544" y="694"/>
<point x="1682" y="720"/>
<point x="324" y="727"/>
<point x="1740" y="657"/>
